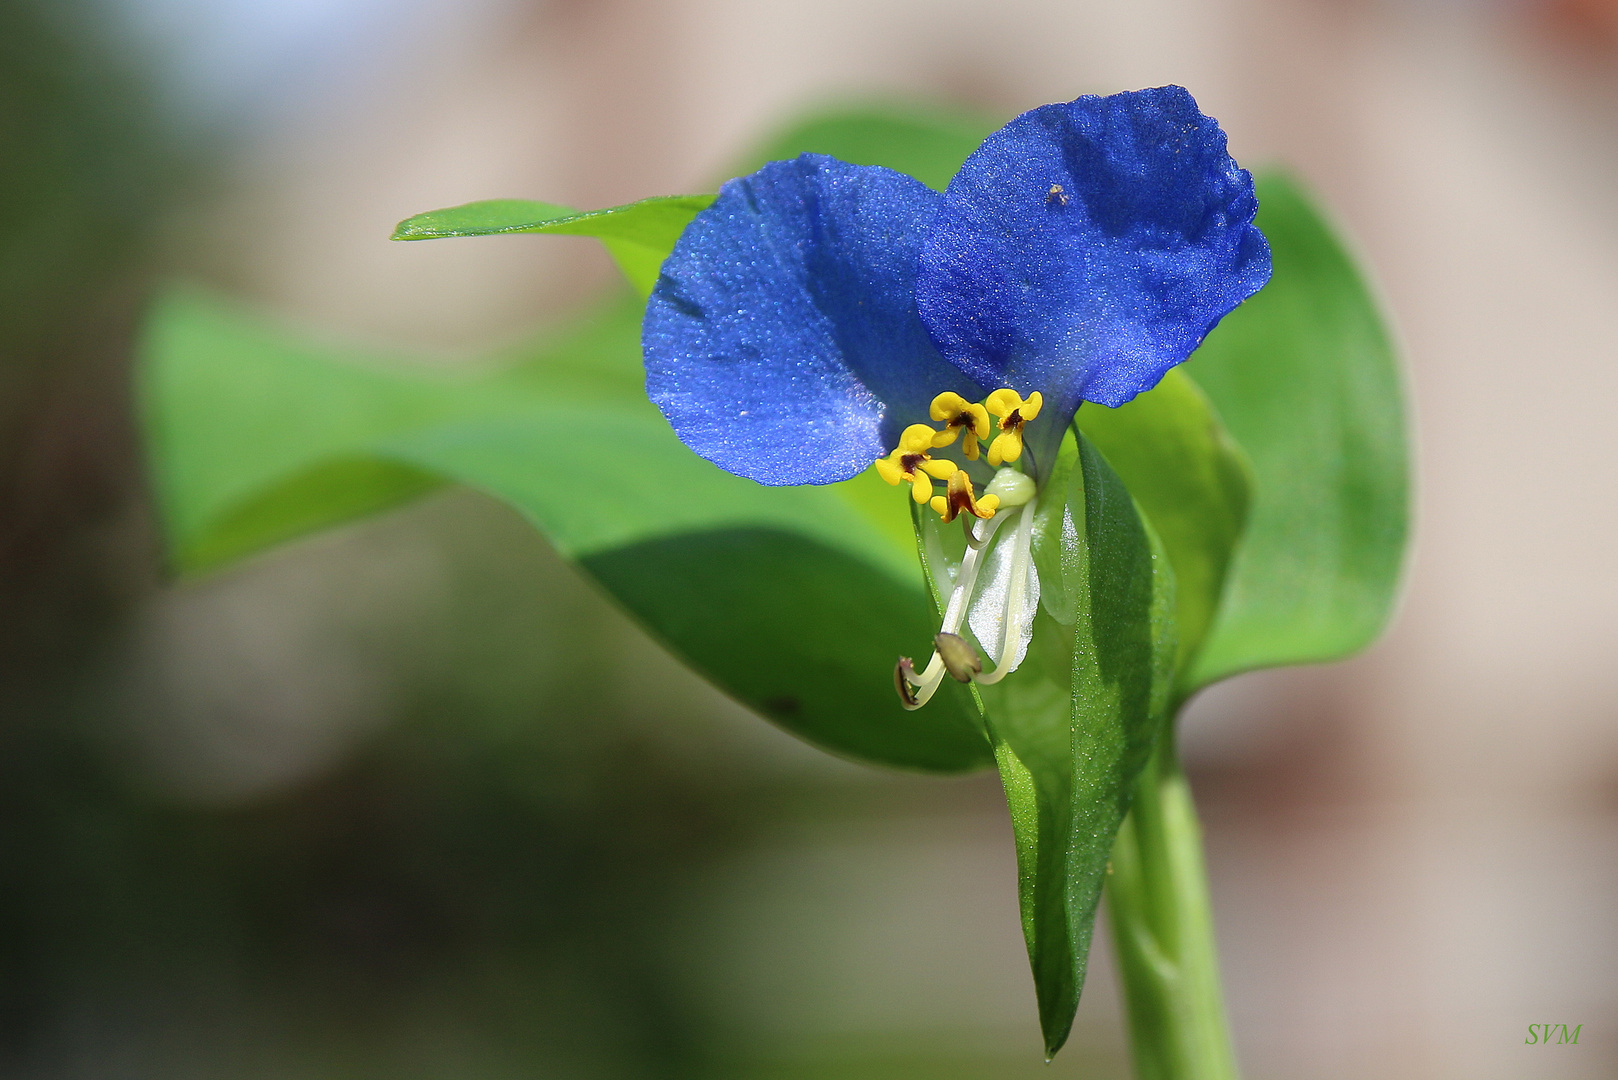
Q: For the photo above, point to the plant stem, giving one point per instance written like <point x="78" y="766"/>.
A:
<point x="1162" y="930"/>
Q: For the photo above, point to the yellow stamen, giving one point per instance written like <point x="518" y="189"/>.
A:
<point x="912" y="461"/>
<point x="959" y="498"/>
<point x="1014" y="413"/>
<point x="959" y="415"/>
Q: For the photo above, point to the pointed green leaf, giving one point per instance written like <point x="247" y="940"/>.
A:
<point x="1304" y="377"/>
<point x="1070" y="748"/>
<point x="1192" y="483"/>
<point x="486" y="217"/>
<point x="639" y="235"/>
<point x="928" y="144"/>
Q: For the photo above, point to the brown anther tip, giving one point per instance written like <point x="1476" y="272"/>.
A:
<point x="901" y="681"/>
<point x="960" y="659"/>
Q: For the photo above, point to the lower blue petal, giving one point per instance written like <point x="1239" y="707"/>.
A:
<point x="782" y="340"/>
<point x="1086" y="248"/>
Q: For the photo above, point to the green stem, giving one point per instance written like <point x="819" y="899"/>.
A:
<point x="1162" y="929"/>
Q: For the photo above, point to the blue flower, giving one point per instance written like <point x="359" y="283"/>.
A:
<point x="820" y="317"/>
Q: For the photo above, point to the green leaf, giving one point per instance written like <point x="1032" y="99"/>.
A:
<point x="639" y="235"/>
<point x="1304" y="377"/>
<point x="1192" y="483"/>
<point x="1073" y="729"/>
<point x="1073" y="726"/>
<point x="255" y="437"/>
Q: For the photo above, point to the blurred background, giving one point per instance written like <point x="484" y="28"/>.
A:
<point x="409" y="800"/>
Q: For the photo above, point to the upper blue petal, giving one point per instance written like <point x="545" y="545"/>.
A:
<point x="1086" y="248"/>
<point x="782" y="340"/>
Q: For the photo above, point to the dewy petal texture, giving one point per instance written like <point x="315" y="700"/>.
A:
<point x="782" y="340"/>
<point x="1086" y="248"/>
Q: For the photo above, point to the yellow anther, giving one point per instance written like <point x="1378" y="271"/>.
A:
<point x="1013" y="412"/>
<point x="957" y="415"/>
<point x="912" y="460"/>
<point x="959" y="499"/>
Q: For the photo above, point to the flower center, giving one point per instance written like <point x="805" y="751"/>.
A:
<point x="912" y="460"/>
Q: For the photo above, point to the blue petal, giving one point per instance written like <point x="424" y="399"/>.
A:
<point x="782" y="340"/>
<point x="1086" y="248"/>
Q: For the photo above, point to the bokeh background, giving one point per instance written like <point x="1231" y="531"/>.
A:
<point x="409" y="800"/>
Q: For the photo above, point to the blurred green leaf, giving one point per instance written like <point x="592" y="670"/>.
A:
<point x="1074" y="725"/>
<point x="255" y="438"/>
<point x="639" y="235"/>
<point x="1304" y="377"/>
<point x="1191" y="482"/>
